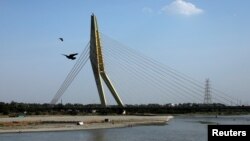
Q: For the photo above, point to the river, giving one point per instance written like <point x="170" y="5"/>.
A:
<point x="180" y="128"/>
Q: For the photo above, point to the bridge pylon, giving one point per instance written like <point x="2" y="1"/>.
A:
<point x="97" y="64"/>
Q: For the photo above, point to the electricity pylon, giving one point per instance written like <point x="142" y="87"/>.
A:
<point x="97" y="64"/>
<point x="208" y="96"/>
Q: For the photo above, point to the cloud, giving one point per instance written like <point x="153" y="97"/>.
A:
<point x="182" y="7"/>
<point x="147" y="10"/>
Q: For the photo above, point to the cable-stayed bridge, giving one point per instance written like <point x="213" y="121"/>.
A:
<point x="128" y="73"/>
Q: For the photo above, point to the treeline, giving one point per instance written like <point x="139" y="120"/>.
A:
<point x="16" y="109"/>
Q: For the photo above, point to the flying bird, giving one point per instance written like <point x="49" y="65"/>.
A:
<point x="71" y="56"/>
<point x="61" y="39"/>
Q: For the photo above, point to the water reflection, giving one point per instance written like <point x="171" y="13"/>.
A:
<point x="96" y="135"/>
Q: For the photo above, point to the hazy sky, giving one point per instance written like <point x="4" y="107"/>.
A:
<point x="201" y="38"/>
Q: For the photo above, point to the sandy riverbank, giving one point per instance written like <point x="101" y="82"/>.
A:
<point x="62" y="123"/>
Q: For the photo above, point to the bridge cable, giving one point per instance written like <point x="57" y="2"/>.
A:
<point x="160" y="68"/>
<point x="72" y="74"/>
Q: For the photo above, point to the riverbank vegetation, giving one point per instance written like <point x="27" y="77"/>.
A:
<point x="14" y="109"/>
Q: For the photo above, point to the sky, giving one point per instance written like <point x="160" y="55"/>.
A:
<point x="200" y="38"/>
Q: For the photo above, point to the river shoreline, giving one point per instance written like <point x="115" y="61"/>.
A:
<point x="68" y="123"/>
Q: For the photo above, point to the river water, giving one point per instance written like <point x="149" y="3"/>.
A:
<point x="181" y="128"/>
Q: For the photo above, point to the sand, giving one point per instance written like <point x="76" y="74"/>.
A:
<point x="64" y="123"/>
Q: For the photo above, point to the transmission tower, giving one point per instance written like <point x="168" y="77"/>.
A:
<point x="208" y="96"/>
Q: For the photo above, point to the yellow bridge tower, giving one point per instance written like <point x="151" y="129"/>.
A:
<point x="97" y="64"/>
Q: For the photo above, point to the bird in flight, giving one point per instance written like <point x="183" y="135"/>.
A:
<point x="71" y="56"/>
<point x="61" y="39"/>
